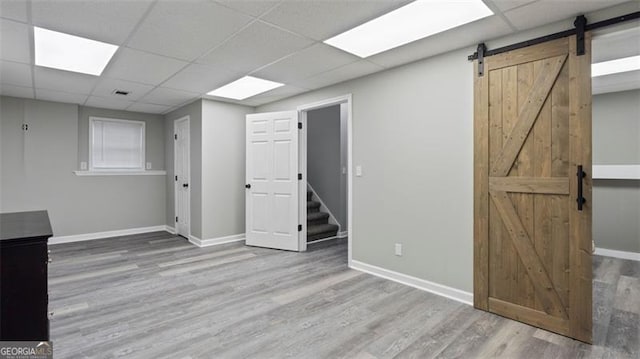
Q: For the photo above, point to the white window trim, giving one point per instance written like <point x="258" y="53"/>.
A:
<point x="142" y="167"/>
<point x="121" y="173"/>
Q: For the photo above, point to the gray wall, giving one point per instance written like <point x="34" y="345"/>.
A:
<point x="194" y="111"/>
<point x="324" y="158"/>
<point x="37" y="173"/>
<point x="414" y="141"/>
<point x="223" y="168"/>
<point x="217" y="167"/>
<point x="616" y="128"/>
<point x="413" y="137"/>
<point x="616" y="140"/>
<point x="154" y="129"/>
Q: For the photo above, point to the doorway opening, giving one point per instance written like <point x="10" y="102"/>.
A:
<point x="276" y="177"/>
<point x="181" y="165"/>
<point x="325" y="161"/>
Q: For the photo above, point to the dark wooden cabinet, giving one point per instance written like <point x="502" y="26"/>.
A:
<point x="23" y="276"/>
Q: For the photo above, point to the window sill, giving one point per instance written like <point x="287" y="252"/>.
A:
<point x="120" y="173"/>
<point x="621" y="172"/>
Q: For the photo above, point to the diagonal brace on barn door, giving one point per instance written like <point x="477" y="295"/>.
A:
<point x="544" y="288"/>
<point x="527" y="116"/>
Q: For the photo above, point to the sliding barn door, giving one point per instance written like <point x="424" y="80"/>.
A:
<point x="532" y="236"/>
<point x="272" y="180"/>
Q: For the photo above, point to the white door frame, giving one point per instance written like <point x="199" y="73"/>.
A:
<point x="175" y="183"/>
<point x="302" y="158"/>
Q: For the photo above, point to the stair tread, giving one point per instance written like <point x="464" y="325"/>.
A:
<point x="321" y="228"/>
<point x="317" y="215"/>
<point x="313" y="204"/>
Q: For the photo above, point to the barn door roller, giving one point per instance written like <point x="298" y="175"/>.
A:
<point x="580" y="24"/>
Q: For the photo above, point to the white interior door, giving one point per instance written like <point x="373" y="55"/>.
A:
<point x="181" y="178"/>
<point x="272" y="180"/>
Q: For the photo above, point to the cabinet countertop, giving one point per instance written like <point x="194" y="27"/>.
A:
<point x="24" y="225"/>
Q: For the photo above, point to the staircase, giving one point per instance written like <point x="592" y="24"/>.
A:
<point x="318" y="226"/>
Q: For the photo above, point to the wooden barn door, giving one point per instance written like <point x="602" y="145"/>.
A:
<point x="532" y="248"/>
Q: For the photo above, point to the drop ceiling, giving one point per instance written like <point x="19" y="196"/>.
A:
<point x="172" y="52"/>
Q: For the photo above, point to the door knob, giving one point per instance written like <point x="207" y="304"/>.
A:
<point x="185" y="185"/>
<point x="247" y="186"/>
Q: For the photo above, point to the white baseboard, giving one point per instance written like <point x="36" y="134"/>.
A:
<point x="343" y="234"/>
<point x="107" y="234"/>
<point x="216" y="241"/>
<point x="634" y="256"/>
<point x="324" y="239"/>
<point x="170" y="229"/>
<point x="431" y="287"/>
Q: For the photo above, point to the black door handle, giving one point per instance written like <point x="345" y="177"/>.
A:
<point x="185" y="185"/>
<point x="581" y="175"/>
<point x="247" y="186"/>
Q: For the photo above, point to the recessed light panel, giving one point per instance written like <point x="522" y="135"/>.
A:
<point x="71" y="53"/>
<point x="615" y="66"/>
<point x="244" y="88"/>
<point x="411" y="22"/>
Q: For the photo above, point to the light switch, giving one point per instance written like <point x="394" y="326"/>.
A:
<point x="399" y="249"/>
<point x="359" y="171"/>
<point x="148" y="165"/>
<point x="344" y="170"/>
<point x="83" y="166"/>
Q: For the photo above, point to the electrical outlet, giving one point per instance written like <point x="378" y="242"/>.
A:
<point x="399" y="249"/>
<point x="148" y="165"/>
<point x="83" y="166"/>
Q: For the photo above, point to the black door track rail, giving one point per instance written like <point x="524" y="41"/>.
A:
<point x="581" y="27"/>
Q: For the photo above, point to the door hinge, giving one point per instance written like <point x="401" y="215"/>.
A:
<point x="176" y="219"/>
<point x="299" y="228"/>
<point x="25" y="127"/>
<point x="299" y="125"/>
<point x="299" y="176"/>
<point x="176" y="178"/>
<point x="175" y="136"/>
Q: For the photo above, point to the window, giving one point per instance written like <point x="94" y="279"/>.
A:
<point x="116" y="144"/>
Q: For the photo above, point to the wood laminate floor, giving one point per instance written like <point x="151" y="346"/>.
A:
<point x="157" y="296"/>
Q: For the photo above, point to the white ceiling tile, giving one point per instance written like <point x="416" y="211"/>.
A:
<point x="15" y="73"/>
<point x="14" y="41"/>
<point x="321" y="20"/>
<point x="547" y="11"/>
<point x="168" y="97"/>
<point x="14" y="9"/>
<point x="250" y="7"/>
<point x="66" y="81"/>
<point x="186" y="29"/>
<point x="504" y="5"/>
<point x="138" y="66"/>
<point x="148" y="108"/>
<point x="201" y="78"/>
<point x="16" y="91"/>
<point x="59" y="96"/>
<point x="106" y="87"/>
<point x="255" y="46"/>
<point x="107" y="102"/>
<point x="274" y="95"/>
<point x="102" y="20"/>
<point x="467" y="35"/>
<point x="616" y="82"/>
<point x="306" y="63"/>
<point x="344" y="73"/>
